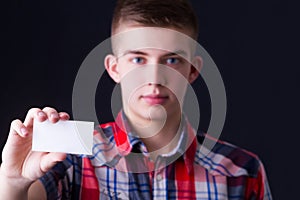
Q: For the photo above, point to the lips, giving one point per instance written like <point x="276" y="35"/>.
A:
<point x="153" y="99"/>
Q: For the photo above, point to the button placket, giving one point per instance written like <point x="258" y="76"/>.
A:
<point x="159" y="185"/>
<point x="158" y="177"/>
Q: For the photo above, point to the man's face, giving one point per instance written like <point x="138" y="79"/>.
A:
<point x="153" y="67"/>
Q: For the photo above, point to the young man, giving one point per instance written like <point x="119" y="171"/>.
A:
<point x="151" y="151"/>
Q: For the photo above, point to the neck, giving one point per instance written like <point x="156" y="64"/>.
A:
<point x="159" y="136"/>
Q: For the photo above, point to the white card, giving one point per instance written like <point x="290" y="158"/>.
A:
<point x="74" y="137"/>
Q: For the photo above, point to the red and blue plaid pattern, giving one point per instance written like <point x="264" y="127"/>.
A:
<point x="225" y="172"/>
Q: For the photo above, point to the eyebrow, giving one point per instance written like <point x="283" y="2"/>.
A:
<point x="137" y="52"/>
<point x="181" y="53"/>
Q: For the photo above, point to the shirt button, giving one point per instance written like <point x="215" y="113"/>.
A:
<point x="158" y="177"/>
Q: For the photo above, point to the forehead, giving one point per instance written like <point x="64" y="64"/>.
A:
<point x="135" y="38"/>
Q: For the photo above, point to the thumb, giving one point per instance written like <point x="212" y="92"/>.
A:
<point x="50" y="159"/>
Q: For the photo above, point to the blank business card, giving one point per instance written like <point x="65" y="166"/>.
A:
<point x="74" y="137"/>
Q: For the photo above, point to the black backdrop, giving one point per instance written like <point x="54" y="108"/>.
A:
<point x="253" y="43"/>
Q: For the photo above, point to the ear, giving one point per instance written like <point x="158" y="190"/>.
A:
<point x="195" y="68"/>
<point x="111" y="66"/>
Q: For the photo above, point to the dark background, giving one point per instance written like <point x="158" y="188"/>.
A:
<point x="254" y="44"/>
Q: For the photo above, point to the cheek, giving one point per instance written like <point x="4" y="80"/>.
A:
<point x="130" y="97"/>
<point x="131" y="83"/>
<point x="185" y="71"/>
<point x="177" y="87"/>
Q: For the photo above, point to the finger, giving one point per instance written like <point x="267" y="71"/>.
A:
<point x="64" y="116"/>
<point x="52" y="114"/>
<point x="34" y="113"/>
<point x="18" y="128"/>
<point x="50" y="159"/>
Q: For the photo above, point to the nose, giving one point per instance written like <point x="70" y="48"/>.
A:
<point x="155" y="74"/>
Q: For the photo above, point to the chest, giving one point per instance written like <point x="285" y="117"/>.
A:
<point x="171" y="182"/>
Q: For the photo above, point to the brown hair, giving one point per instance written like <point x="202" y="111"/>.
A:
<point x="158" y="13"/>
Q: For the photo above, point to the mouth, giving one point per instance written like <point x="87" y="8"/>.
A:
<point x="154" y="99"/>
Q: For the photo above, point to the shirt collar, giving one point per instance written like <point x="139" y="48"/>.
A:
<point x="126" y="139"/>
<point x="116" y="141"/>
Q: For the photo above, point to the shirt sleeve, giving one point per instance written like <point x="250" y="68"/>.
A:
<point x="258" y="187"/>
<point x="59" y="181"/>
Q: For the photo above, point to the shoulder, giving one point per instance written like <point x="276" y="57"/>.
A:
<point x="225" y="158"/>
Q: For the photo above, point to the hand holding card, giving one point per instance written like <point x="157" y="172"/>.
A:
<point x="75" y="137"/>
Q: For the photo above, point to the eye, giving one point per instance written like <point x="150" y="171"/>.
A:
<point x="138" y="60"/>
<point x="172" y="61"/>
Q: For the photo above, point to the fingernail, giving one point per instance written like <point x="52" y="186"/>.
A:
<point x="54" y="115"/>
<point x="24" y="131"/>
<point x="41" y="114"/>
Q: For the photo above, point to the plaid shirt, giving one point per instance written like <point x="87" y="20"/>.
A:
<point x="120" y="168"/>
